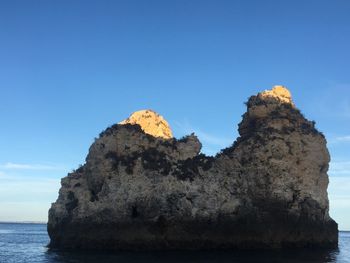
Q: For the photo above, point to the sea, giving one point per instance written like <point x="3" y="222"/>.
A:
<point x="28" y="243"/>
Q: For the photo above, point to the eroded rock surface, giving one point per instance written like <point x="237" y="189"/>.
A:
<point x="138" y="191"/>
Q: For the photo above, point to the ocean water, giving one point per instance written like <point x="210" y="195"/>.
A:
<point x="27" y="243"/>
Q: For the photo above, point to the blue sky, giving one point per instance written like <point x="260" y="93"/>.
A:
<point x="69" y="69"/>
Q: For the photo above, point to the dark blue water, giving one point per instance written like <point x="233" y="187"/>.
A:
<point x="26" y="243"/>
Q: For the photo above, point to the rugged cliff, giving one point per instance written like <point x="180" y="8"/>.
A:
<point x="142" y="189"/>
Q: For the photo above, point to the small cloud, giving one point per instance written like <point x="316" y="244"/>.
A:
<point x="342" y="139"/>
<point x="212" y="139"/>
<point x="20" y="166"/>
<point x="340" y="168"/>
<point x="336" y="140"/>
<point x="211" y="143"/>
<point x="2" y="173"/>
<point x="323" y="103"/>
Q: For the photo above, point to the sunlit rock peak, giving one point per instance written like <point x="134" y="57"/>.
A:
<point x="268" y="101"/>
<point x="151" y="123"/>
<point x="278" y="92"/>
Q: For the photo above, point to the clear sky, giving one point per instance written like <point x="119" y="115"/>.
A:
<point x="69" y="69"/>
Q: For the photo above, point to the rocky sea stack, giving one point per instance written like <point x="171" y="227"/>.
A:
<point x="140" y="188"/>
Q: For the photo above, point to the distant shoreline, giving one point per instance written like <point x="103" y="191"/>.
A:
<point x="23" y="222"/>
<point x="45" y="223"/>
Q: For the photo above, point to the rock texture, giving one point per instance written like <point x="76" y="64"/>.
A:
<point x="138" y="191"/>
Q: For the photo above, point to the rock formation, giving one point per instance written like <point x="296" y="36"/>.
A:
<point x="140" y="188"/>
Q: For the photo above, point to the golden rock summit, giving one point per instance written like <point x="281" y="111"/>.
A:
<point x="151" y="123"/>
<point x="278" y="92"/>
